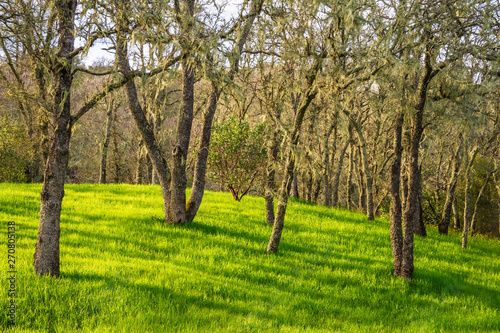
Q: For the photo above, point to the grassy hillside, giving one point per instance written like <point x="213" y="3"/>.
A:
<point x="122" y="270"/>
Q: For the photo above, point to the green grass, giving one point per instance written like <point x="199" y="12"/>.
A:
<point x="122" y="270"/>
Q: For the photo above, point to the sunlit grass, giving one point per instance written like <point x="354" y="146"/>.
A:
<point x="122" y="270"/>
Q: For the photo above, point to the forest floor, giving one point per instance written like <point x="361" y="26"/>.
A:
<point x="123" y="270"/>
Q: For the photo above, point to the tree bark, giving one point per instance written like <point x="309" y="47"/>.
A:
<point x="350" y="189"/>
<point x="327" y="191"/>
<point x="361" y="182"/>
<point x="450" y="196"/>
<point x="152" y="146"/>
<point x="290" y="160"/>
<point x="316" y="189"/>
<point x="476" y="205"/>
<point x="200" y="168"/>
<point x="180" y="151"/>
<point x="46" y="258"/>
<point x="456" y="215"/>
<point x="369" y="182"/>
<point x="468" y="192"/>
<point x="396" y="211"/>
<point x="419" y="223"/>
<point x="272" y="154"/>
<point x="104" y="154"/>
<point x="295" y="186"/>
<point x="141" y="161"/>
<point x="411" y="211"/>
<point x="309" y="185"/>
<point x="336" y="179"/>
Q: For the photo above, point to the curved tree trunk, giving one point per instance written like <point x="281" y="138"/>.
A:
<point x="46" y="258"/>
<point x="480" y="194"/>
<point x="200" y="168"/>
<point x="293" y="140"/>
<point x="147" y="134"/>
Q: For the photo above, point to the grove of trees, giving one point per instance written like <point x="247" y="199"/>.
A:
<point x="386" y="107"/>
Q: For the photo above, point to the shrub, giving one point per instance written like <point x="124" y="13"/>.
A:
<point x="237" y="155"/>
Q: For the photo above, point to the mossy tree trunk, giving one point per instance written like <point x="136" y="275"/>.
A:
<point x="147" y="134"/>
<point x="46" y="258"/>
<point x="410" y="217"/>
<point x="292" y="142"/>
<point x="396" y="211"/>
<point x="272" y="154"/>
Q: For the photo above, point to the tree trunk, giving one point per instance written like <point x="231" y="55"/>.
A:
<point x="480" y="194"/>
<point x="272" y="154"/>
<point x="361" y="184"/>
<point x="336" y="179"/>
<point x="316" y="189"/>
<point x="419" y="222"/>
<point x="456" y="215"/>
<point x="404" y="185"/>
<point x="104" y="154"/>
<point x="327" y="172"/>
<point x="152" y="146"/>
<point x="366" y="188"/>
<point x="308" y="185"/>
<point x="396" y="211"/>
<point x="450" y="196"/>
<point x="116" y="157"/>
<point x="295" y="186"/>
<point x="350" y="188"/>
<point x="180" y="151"/>
<point x="149" y="170"/>
<point x="290" y="160"/>
<point x="411" y="211"/>
<point x="46" y="258"/>
<point x="200" y="168"/>
<point x="369" y="183"/>
<point x="141" y="161"/>
<point x="468" y="192"/>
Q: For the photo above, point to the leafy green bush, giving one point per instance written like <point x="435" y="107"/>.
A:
<point x="237" y="155"/>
